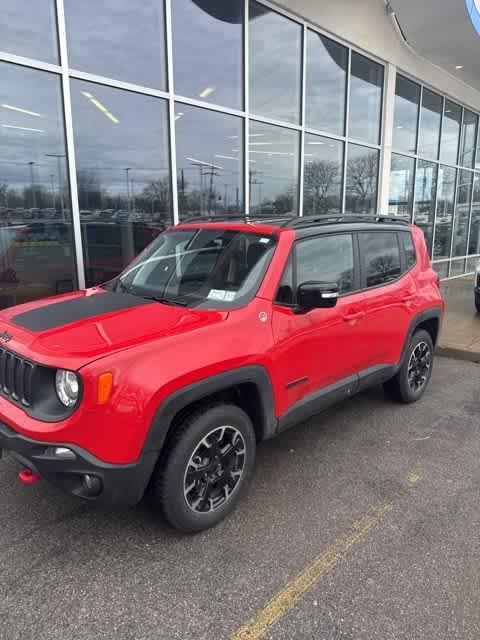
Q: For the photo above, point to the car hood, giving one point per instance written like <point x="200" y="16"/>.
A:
<point x="73" y="329"/>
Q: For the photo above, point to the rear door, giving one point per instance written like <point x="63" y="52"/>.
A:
<point x="388" y="298"/>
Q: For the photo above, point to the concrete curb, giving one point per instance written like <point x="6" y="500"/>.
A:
<point x="458" y="354"/>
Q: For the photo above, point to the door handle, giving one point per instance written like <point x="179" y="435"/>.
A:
<point x="349" y="317"/>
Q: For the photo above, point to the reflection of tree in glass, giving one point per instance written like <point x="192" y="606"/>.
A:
<point x="382" y="269"/>
<point x="320" y="177"/>
<point x="362" y="180"/>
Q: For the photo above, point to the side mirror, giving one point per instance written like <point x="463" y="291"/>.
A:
<point x="317" y="295"/>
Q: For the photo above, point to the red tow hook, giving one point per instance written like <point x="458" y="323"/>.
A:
<point x="28" y="477"/>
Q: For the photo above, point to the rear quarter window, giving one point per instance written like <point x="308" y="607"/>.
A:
<point x="409" y="250"/>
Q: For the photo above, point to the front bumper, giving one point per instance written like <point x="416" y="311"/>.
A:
<point x="119" y="484"/>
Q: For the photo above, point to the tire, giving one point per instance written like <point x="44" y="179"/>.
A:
<point x="477" y="303"/>
<point x="411" y="381"/>
<point x="205" y="471"/>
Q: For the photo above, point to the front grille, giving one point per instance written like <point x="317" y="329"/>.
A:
<point x="16" y="375"/>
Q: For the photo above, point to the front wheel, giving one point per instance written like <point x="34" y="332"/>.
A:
<point x="209" y="464"/>
<point x="409" y="384"/>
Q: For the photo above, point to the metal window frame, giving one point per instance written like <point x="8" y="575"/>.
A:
<point x="66" y="74"/>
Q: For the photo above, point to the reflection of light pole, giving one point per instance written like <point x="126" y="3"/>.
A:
<point x="58" y="156"/>
<point x="128" y="187"/>
<point x="53" y="189"/>
<point x="34" y="202"/>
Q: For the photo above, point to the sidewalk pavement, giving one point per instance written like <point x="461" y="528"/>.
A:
<point x="460" y="335"/>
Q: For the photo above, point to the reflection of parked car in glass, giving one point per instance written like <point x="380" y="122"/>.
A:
<point x="106" y="214"/>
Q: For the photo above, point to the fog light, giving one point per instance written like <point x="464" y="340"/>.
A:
<point x="91" y="484"/>
<point x="60" y="452"/>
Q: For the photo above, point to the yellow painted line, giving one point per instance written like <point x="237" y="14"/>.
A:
<point x="293" y="592"/>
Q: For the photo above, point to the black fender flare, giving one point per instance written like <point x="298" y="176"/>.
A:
<point x="434" y="313"/>
<point x="186" y="396"/>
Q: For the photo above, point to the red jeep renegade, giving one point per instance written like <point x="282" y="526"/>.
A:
<point x="219" y="335"/>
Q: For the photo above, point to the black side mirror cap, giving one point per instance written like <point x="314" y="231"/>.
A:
<point x="316" y="295"/>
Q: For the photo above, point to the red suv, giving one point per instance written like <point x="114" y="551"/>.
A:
<point x="219" y="335"/>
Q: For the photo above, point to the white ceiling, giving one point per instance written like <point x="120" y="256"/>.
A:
<point x="442" y="32"/>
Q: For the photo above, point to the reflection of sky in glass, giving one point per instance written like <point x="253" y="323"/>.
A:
<point x="136" y="138"/>
<point x="275" y="60"/>
<point x="118" y="38"/>
<point x="208" y="63"/>
<point x="30" y="127"/>
<point x="325" y="84"/>
<point x="430" y="118"/>
<point x="29" y="29"/>
<point x="273" y="164"/>
<point x="407" y="97"/>
<point x="209" y="160"/>
<point x="450" y="132"/>
<point x="365" y="99"/>
<point x="401" y="185"/>
<point x="468" y="138"/>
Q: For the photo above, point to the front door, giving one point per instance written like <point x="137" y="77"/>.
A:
<point x="319" y="348"/>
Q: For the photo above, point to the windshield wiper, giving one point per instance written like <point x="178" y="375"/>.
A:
<point x="163" y="300"/>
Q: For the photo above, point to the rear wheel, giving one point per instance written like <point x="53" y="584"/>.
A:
<point x="409" y="384"/>
<point x="209" y="464"/>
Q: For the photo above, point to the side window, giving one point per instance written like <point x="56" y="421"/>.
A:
<point x="381" y="257"/>
<point x="326" y="259"/>
<point x="409" y="250"/>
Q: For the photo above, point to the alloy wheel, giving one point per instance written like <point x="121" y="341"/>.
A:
<point x="419" y="366"/>
<point x="215" y="469"/>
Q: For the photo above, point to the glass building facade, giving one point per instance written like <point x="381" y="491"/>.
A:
<point x="119" y="118"/>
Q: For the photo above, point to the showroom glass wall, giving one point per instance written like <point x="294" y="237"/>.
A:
<point x="118" y="118"/>
<point x="435" y="174"/>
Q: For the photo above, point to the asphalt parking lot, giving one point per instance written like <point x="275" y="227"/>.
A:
<point x="377" y="504"/>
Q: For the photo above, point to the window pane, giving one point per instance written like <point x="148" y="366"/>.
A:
<point x="430" y="118"/>
<point x="407" y="98"/>
<point x="366" y="85"/>
<point x="273" y="164"/>
<point x="29" y="29"/>
<point x="118" y="39"/>
<point x="362" y="176"/>
<point x="401" y="186"/>
<point x="381" y="257"/>
<point x="123" y="174"/>
<point x="474" y="242"/>
<point x="457" y="267"/>
<point x="322" y="189"/>
<point x="452" y="117"/>
<point x="275" y="44"/>
<point x="409" y="249"/>
<point x="209" y="65"/>
<point x="209" y="161"/>
<point x="469" y="137"/>
<point x="36" y="251"/>
<point x="443" y="227"/>
<point x="326" y="259"/>
<point x="425" y="192"/>
<point x="462" y="213"/>
<point x="325" y="90"/>
<point x="441" y="268"/>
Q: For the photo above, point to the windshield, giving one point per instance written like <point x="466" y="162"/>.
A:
<point x="209" y="268"/>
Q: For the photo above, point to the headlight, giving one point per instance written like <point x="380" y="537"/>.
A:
<point x="67" y="386"/>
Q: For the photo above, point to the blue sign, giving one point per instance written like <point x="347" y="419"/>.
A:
<point x="473" y="8"/>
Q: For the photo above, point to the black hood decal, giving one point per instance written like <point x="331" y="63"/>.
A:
<point x="57" y="314"/>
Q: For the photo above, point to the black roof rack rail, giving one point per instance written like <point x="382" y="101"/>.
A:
<point x="311" y="221"/>
<point x="281" y="219"/>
